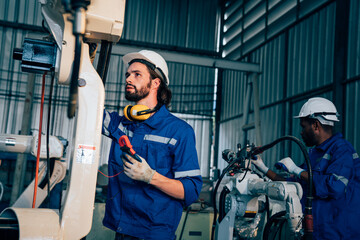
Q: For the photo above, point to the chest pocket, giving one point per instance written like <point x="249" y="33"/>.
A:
<point x="158" y="150"/>
<point x="322" y="163"/>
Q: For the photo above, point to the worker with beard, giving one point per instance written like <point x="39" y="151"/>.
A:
<point x="336" y="172"/>
<point x="148" y="190"/>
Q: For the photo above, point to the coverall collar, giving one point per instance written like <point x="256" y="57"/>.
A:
<point x="155" y="120"/>
<point x="328" y="142"/>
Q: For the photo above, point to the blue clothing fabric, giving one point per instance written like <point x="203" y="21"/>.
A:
<point x="336" y="180"/>
<point x="167" y="143"/>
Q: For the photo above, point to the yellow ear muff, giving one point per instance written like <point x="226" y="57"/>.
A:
<point x="137" y="112"/>
<point x="127" y="112"/>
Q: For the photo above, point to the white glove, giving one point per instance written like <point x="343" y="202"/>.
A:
<point x="136" y="170"/>
<point x="288" y="165"/>
<point x="260" y="164"/>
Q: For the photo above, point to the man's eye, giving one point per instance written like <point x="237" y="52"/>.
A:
<point x="137" y="74"/>
<point x="127" y="75"/>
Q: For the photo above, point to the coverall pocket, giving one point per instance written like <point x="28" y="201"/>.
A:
<point x="158" y="155"/>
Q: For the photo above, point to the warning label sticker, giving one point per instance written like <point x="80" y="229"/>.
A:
<point x="85" y="154"/>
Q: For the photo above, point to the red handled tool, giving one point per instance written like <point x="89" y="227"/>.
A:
<point x="126" y="147"/>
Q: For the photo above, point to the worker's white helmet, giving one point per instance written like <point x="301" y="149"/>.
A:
<point x="157" y="62"/>
<point x="320" y="109"/>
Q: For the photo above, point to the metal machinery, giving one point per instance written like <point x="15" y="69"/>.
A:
<point x="29" y="144"/>
<point x="250" y="205"/>
<point x="72" y="24"/>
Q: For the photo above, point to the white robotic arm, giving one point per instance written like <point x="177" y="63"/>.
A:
<point x="29" y="144"/>
<point x="243" y="209"/>
<point x="102" y="21"/>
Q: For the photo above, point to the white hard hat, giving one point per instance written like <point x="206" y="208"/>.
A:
<point x="320" y="109"/>
<point x="157" y="62"/>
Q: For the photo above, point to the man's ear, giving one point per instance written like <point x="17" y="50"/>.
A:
<point x="156" y="83"/>
<point x="316" y="125"/>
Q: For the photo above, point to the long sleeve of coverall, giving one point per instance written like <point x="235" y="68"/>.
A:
<point x="183" y="154"/>
<point x="332" y="165"/>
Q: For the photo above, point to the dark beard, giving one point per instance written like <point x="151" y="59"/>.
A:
<point x="138" y="95"/>
<point x="309" y="139"/>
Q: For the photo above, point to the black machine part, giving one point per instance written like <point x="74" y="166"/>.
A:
<point x="37" y="56"/>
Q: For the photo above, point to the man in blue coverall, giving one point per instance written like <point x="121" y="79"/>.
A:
<point x="336" y="172"/>
<point x="145" y="199"/>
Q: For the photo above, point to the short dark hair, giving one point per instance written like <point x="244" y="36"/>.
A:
<point x="327" y="128"/>
<point x="164" y="93"/>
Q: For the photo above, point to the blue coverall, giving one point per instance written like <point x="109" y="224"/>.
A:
<point x="167" y="143"/>
<point x="336" y="178"/>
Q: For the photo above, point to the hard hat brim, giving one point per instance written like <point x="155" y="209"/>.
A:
<point x="131" y="56"/>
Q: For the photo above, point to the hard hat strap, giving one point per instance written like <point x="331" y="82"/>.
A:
<point x="325" y="113"/>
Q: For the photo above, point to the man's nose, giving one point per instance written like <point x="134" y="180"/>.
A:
<point x="128" y="79"/>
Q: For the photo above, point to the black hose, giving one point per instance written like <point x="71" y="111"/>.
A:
<point x="267" y="207"/>
<point x="44" y="27"/>
<point x="279" y="229"/>
<point x="233" y="161"/>
<point x="73" y="95"/>
<point x="246" y="171"/>
<point x="223" y="194"/>
<point x="270" y="222"/>
<point x="104" y="59"/>
<point x="49" y="162"/>
<point x="215" y="191"/>
<point x="49" y="170"/>
<point x="183" y="226"/>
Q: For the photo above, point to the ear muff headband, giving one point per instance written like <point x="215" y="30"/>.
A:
<point x="138" y="112"/>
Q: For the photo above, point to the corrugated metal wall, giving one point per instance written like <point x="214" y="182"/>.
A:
<point x="296" y="64"/>
<point x="19" y="11"/>
<point x="352" y="115"/>
<point x="176" y="25"/>
<point x="249" y="23"/>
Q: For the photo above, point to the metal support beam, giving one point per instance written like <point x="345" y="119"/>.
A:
<point x="20" y="167"/>
<point x="185" y="58"/>
<point x="252" y="92"/>
<point x="255" y="79"/>
<point x="340" y="57"/>
<point x="217" y="120"/>
<point x="246" y="112"/>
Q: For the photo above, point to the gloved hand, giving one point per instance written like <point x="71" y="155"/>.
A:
<point x="136" y="170"/>
<point x="259" y="163"/>
<point x="288" y="165"/>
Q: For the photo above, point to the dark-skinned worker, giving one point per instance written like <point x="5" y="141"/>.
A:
<point x="147" y="199"/>
<point x="336" y="172"/>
